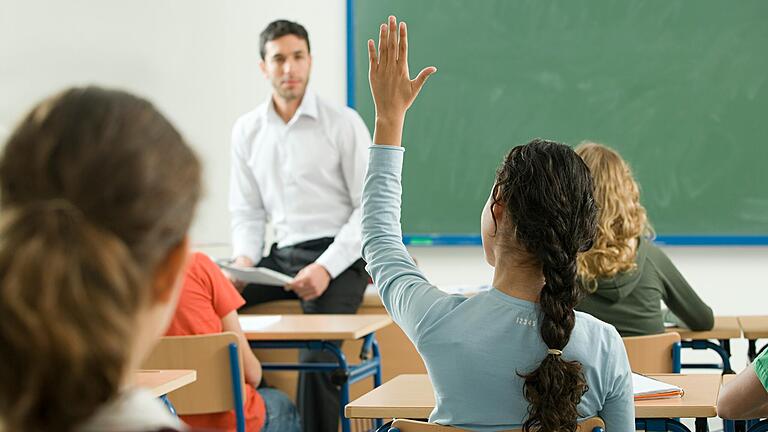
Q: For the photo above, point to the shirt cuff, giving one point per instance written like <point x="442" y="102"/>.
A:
<point x="332" y="264"/>
<point x="761" y="368"/>
<point x="385" y="158"/>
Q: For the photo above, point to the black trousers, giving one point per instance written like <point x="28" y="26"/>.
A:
<point x="318" y="398"/>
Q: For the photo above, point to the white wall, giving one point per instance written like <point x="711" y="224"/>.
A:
<point x="198" y="60"/>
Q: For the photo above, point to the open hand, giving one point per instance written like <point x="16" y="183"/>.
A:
<point x="392" y="88"/>
<point x="310" y="282"/>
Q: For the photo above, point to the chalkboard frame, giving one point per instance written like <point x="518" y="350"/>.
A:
<point x="474" y="239"/>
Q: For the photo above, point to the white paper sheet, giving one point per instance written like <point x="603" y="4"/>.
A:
<point x="258" y="275"/>
<point x="257" y="322"/>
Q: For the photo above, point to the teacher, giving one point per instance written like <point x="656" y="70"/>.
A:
<point x="298" y="162"/>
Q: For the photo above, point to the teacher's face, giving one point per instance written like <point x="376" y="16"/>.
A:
<point x="286" y="65"/>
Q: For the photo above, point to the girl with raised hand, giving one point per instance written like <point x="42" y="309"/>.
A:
<point x="98" y="191"/>
<point x="518" y="354"/>
<point x="626" y="275"/>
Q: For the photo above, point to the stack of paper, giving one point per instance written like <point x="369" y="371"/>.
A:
<point x="648" y="388"/>
<point x="257" y="322"/>
<point x="257" y="275"/>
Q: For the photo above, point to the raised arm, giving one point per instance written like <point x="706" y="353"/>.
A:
<point x="413" y="303"/>
<point x="392" y="88"/>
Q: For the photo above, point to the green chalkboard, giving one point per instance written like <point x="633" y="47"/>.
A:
<point x="680" y="88"/>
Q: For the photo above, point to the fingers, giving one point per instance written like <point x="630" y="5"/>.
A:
<point x="420" y="79"/>
<point x="392" y="40"/>
<point x="402" y="55"/>
<point x="372" y="61"/>
<point x="383" y="44"/>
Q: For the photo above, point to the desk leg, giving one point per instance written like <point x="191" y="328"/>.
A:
<point x="751" y="350"/>
<point x="702" y="425"/>
<point x="377" y="376"/>
<point x="168" y="404"/>
<point x="344" y="386"/>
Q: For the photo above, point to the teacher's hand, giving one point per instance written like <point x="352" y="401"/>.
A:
<point x="310" y="282"/>
<point x="244" y="262"/>
<point x="392" y="88"/>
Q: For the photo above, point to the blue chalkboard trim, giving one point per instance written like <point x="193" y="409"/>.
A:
<point x="351" y="101"/>
<point x="666" y="240"/>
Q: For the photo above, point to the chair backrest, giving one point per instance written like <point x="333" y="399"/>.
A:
<point x="592" y="424"/>
<point x="209" y="355"/>
<point x="658" y="353"/>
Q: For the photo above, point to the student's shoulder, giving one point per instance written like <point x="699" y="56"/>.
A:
<point x="595" y="329"/>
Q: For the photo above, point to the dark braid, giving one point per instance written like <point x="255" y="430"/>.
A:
<point x="547" y="191"/>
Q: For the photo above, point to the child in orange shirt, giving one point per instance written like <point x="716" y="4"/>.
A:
<point x="208" y="304"/>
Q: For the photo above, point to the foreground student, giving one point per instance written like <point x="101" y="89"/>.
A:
<point x="517" y="354"/>
<point x="98" y="190"/>
<point x="208" y="304"/>
<point x="746" y="397"/>
<point x="627" y="275"/>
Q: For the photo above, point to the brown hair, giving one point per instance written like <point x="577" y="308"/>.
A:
<point x="546" y="190"/>
<point x="621" y="219"/>
<point x="97" y="189"/>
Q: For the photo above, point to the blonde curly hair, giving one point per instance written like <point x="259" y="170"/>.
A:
<point x="621" y="217"/>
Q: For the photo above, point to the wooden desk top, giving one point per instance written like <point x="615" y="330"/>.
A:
<point x="727" y="378"/>
<point x="318" y="327"/>
<point x="699" y="400"/>
<point x="724" y="328"/>
<point x="162" y="382"/>
<point x="411" y="396"/>
<point x="754" y="327"/>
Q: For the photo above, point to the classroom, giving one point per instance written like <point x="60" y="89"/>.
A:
<point x="385" y="330"/>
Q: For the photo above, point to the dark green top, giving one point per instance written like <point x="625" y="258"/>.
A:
<point x="631" y="301"/>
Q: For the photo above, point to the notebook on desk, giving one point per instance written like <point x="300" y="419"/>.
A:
<point x="646" y="388"/>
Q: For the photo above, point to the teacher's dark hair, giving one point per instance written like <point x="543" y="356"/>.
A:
<point x="278" y="29"/>
<point x="546" y="189"/>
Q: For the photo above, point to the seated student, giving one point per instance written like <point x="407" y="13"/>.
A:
<point x="627" y="275"/>
<point x="517" y="354"/>
<point x="746" y="397"/>
<point x="208" y="304"/>
<point x="97" y="190"/>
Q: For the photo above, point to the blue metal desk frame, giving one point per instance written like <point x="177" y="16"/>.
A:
<point x="752" y="351"/>
<point x="343" y="373"/>
<point x="722" y="348"/>
<point x="669" y="425"/>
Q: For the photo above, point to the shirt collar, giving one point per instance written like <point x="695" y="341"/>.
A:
<point x="308" y="107"/>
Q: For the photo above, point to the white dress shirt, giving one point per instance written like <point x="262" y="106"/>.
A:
<point x="305" y="177"/>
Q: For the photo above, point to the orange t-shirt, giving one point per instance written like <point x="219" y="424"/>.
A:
<point x="206" y="297"/>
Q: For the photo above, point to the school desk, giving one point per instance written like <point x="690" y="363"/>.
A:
<point x="317" y="332"/>
<point x="411" y="396"/>
<point x="725" y="329"/>
<point x="162" y="382"/>
<point x="754" y="328"/>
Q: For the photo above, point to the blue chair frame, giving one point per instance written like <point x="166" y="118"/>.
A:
<point x="237" y="386"/>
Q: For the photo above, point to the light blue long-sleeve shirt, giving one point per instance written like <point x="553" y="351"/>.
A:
<point x="474" y="347"/>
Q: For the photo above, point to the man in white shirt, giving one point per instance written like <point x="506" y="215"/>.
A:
<point x="299" y="163"/>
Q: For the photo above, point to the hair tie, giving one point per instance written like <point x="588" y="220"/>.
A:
<point x="554" y="352"/>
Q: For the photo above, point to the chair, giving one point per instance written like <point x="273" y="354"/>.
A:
<point x="220" y="384"/>
<point x="658" y="353"/>
<point x="593" y="424"/>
